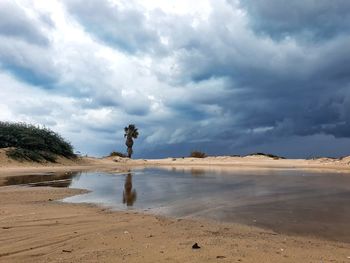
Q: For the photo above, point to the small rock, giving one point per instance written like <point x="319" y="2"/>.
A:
<point x="195" y="246"/>
<point x="126" y="232"/>
<point x="50" y="199"/>
<point x="220" y="257"/>
<point x="66" y="251"/>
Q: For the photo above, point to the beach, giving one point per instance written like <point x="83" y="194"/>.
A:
<point x="36" y="227"/>
<point x="174" y="131"/>
<point x="251" y="162"/>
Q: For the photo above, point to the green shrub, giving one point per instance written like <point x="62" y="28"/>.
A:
<point x="29" y="142"/>
<point x="269" y="155"/>
<point x="119" y="154"/>
<point x="198" y="154"/>
<point x="20" y="154"/>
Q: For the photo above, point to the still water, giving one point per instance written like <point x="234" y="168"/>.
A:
<point x="286" y="201"/>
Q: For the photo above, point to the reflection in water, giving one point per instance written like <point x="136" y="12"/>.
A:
<point x="46" y="179"/>
<point x="129" y="194"/>
<point x="197" y="172"/>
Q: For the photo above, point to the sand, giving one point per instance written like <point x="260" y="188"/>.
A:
<point x="35" y="227"/>
<point x="12" y="168"/>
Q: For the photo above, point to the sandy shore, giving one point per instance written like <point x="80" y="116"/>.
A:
<point x="253" y="162"/>
<point x="36" y="228"/>
<point x="12" y="168"/>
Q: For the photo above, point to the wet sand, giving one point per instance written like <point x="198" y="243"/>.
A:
<point x="36" y="228"/>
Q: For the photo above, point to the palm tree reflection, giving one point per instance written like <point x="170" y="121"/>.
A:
<point x="129" y="194"/>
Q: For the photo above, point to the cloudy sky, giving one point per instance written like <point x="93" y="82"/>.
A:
<point x="220" y="76"/>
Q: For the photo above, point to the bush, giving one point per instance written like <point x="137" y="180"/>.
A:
<point x="119" y="154"/>
<point x="198" y="154"/>
<point x="20" y="154"/>
<point x="28" y="142"/>
<point x="269" y="155"/>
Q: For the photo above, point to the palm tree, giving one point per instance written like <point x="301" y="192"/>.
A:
<point x="130" y="134"/>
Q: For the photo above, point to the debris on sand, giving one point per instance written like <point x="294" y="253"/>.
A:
<point x="195" y="246"/>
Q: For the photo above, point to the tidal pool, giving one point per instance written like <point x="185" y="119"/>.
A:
<point x="286" y="201"/>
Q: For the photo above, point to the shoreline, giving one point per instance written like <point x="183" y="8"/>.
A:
<point x="12" y="168"/>
<point x="36" y="227"/>
<point x="42" y="229"/>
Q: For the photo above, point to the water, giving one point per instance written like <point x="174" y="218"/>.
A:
<point x="292" y="202"/>
<point x="41" y="179"/>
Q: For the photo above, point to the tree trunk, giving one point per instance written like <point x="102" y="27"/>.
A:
<point x="129" y="152"/>
<point x="129" y="143"/>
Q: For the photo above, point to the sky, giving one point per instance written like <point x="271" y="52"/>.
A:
<point x="225" y="77"/>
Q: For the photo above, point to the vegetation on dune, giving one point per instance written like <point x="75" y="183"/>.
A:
<point x="131" y="133"/>
<point x="118" y="154"/>
<point x="276" y="157"/>
<point x="28" y="142"/>
<point x="198" y="154"/>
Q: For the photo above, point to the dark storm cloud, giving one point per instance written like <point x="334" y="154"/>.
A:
<point x="279" y="89"/>
<point x="125" y="28"/>
<point x="14" y="22"/>
<point x="312" y="19"/>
